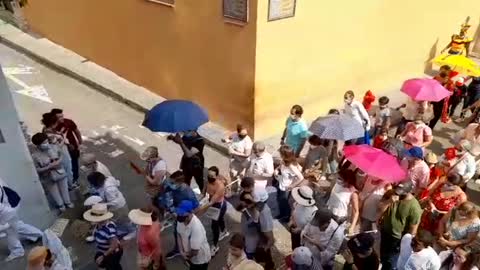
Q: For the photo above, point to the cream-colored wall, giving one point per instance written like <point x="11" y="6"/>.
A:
<point x="330" y="47"/>
<point x="186" y="52"/>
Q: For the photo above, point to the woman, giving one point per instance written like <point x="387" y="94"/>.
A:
<point x="108" y="248"/>
<point x="303" y="210"/>
<point x="435" y="174"/>
<point x="288" y="176"/>
<point x="443" y="199"/>
<point x="148" y="239"/>
<point x="461" y="258"/>
<point x="417" y="133"/>
<point x="50" y="122"/>
<point x="344" y="199"/>
<point x="237" y="259"/>
<point x="370" y="196"/>
<point x="216" y="191"/>
<point x="48" y="162"/>
<point x="459" y="227"/>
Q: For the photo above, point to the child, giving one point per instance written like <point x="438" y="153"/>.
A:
<point x="459" y="93"/>
<point x="107" y="189"/>
<point x="381" y="138"/>
<point x="382" y="116"/>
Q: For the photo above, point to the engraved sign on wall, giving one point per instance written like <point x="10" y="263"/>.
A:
<point x="281" y="9"/>
<point x="236" y="9"/>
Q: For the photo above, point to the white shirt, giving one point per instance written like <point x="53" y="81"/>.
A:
<point x="357" y="111"/>
<point x="288" y="175"/>
<point x="426" y="259"/>
<point x="469" y="134"/>
<point x="261" y="166"/>
<point x="412" y="108"/>
<point x="6" y="211"/>
<point x="330" y="239"/>
<point x="194" y="237"/>
<point x="160" y="166"/>
<point x="339" y="200"/>
<point x="302" y="215"/>
<point x="243" y="146"/>
<point x="381" y="115"/>
<point x="371" y="196"/>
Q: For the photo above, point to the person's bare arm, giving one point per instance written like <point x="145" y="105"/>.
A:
<point x="412" y="229"/>
<point x="355" y="204"/>
<point x="284" y="136"/>
<point x="428" y="141"/>
<point x="157" y="178"/>
<point x="269" y="239"/>
<point x="78" y="135"/>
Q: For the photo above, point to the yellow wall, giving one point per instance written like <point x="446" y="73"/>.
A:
<point x="183" y="52"/>
<point x="333" y="46"/>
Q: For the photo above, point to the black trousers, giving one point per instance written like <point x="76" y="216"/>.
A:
<point x="437" y="113"/>
<point x="264" y="257"/>
<point x="199" y="266"/>
<point x="196" y="173"/>
<point x="283" y="205"/>
<point x="296" y="239"/>
<point x="112" y="261"/>
<point x="454" y="101"/>
<point x="389" y="251"/>
<point x="74" y="156"/>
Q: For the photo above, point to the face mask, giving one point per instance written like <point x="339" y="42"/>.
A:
<point x="242" y="136"/>
<point x="44" y="146"/>
<point x="211" y="179"/>
<point x="174" y="186"/>
<point x="182" y="219"/>
<point x="402" y="197"/>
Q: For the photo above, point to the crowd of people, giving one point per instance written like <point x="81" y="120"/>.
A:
<point x="331" y="208"/>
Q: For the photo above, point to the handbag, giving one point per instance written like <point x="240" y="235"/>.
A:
<point x="12" y="196"/>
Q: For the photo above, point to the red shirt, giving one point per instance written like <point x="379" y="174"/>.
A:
<point x="67" y="128"/>
<point x="378" y="141"/>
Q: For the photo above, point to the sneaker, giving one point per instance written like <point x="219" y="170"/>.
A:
<point x="74" y="186"/>
<point x="90" y="239"/>
<point x="70" y="206"/>
<point x="130" y="236"/>
<point x="62" y="209"/>
<point x="172" y="254"/>
<point x="223" y="235"/>
<point x="12" y="257"/>
<point x="3" y="235"/>
<point x="214" y="250"/>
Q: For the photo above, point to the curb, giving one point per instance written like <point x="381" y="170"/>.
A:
<point x="211" y="132"/>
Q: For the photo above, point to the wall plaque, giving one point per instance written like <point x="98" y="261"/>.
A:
<point x="281" y="9"/>
<point x="236" y="9"/>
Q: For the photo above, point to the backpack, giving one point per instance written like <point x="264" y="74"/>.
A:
<point x="12" y="196"/>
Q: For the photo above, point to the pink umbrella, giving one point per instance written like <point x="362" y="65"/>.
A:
<point x="375" y="162"/>
<point x="425" y="90"/>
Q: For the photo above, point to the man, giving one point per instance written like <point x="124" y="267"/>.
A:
<point x="261" y="167"/>
<point x="401" y="216"/>
<point x="465" y="164"/>
<point x="296" y="131"/>
<point x="417" y="253"/>
<point x="460" y="43"/>
<point x="248" y="184"/>
<point x="360" y="254"/>
<point x="356" y="110"/>
<point x="193" y="161"/>
<point x="91" y="164"/>
<point x="257" y="227"/>
<point x="176" y="192"/>
<point x="155" y="172"/>
<point x="418" y="170"/>
<point x="192" y="239"/>
<point x="16" y="228"/>
<point x="302" y="259"/>
<point x="324" y="237"/>
<point x="240" y="148"/>
<point x="74" y="138"/>
<point x="472" y="134"/>
<point x="317" y="155"/>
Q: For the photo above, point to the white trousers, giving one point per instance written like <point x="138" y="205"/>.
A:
<point x="19" y="230"/>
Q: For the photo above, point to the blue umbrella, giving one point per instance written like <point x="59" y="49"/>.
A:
<point x="175" y="116"/>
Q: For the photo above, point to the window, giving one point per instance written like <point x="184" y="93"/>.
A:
<point x="281" y="9"/>
<point x="236" y="10"/>
<point x="164" y="2"/>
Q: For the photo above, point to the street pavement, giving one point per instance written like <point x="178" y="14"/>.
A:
<point x="112" y="131"/>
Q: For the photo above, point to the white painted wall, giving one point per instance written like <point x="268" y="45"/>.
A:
<point x="16" y="165"/>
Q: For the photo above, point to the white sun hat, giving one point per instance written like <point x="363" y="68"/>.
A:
<point x="140" y="217"/>
<point x="98" y="213"/>
<point x="303" y="195"/>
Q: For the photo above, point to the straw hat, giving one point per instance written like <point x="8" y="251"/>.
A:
<point x="98" y="213"/>
<point x="303" y="195"/>
<point x="139" y="217"/>
<point x="36" y="257"/>
<point x="431" y="158"/>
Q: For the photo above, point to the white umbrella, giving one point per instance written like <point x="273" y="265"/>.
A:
<point x="337" y="127"/>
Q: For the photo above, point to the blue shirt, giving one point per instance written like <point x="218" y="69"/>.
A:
<point x="297" y="132"/>
<point x="103" y="235"/>
<point x="174" y="195"/>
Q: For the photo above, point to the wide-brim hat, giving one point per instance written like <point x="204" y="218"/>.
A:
<point x="98" y="213"/>
<point x="303" y="195"/>
<point x="36" y="257"/>
<point x="137" y="216"/>
<point x="431" y="158"/>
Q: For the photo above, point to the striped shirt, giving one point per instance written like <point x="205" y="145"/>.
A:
<point x="103" y="235"/>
